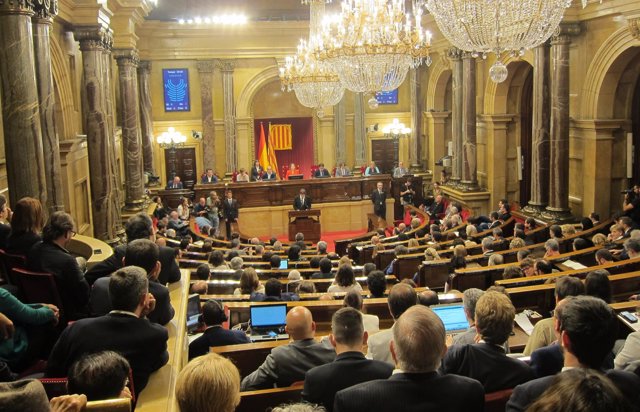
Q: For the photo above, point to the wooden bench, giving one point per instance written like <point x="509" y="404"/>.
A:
<point x="261" y="400"/>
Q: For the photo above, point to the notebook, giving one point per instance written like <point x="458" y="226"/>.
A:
<point x="193" y="312"/>
<point x="268" y="322"/>
<point x="453" y="317"/>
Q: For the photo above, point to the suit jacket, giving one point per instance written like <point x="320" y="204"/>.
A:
<point x="321" y="173"/>
<point x="288" y="364"/>
<point x="368" y="171"/>
<point x="255" y="173"/>
<point x="5" y="232"/>
<point x="400" y="171"/>
<point x="547" y="360"/>
<point x="73" y="288"/>
<point x="207" y="179"/>
<point x="101" y="303"/>
<point x="343" y="172"/>
<point x="298" y="204"/>
<point x="488" y="364"/>
<point x="267" y="176"/>
<point x="169" y="271"/>
<point x="171" y="185"/>
<point x="141" y="342"/>
<point x="436" y="208"/>
<point x="379" y="199"/>
<point x="230" y="211"/>
<point x="525" y="394"/>
<point x="378" y="346"/>
<point x="216" y="336"/>
<point x="350" y="368"/>
<point x="630" y="351"/>
<point x="413" y="392"/>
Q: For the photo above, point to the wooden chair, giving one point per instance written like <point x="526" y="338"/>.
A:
<point x="497" y="401"/>
<point x="109" y="405"/>
<point x="38" y="287"/>
<point x="54" y="386"/>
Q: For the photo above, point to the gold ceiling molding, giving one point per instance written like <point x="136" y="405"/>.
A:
<point x="634" y="27"/>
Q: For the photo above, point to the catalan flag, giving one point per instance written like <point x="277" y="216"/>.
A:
<point x="280" y="136"/>
<point x="271" y="156"/>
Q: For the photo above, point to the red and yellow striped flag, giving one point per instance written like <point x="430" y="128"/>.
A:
<point x="271" y="155"/>
<point x="280" y="136"/>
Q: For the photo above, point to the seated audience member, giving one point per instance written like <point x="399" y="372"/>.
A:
<point x="24" y="336"/>
<point x="249" y="283"/>
<point x="428" y="297"/>
<point x="209" y="383"/>
<point x="181" y="227"/>
<point x="325" y="270"/>
<point x="350" y="366"/>
<point x="401" y="298"/>
<point x="586" y="223"/>
<point x="294" y="277"/>
<point x="632" y="248"/>
<point x="495" y="260"/>
<point x="568" y="230"/>
<point x="629" y="353"/>
<point x="368" y="268"/>
<point x="236" y="264"/>
<point x="416" y="385"/>
<point x="345" y="281"/>
<point x="599" y="239"/>
<point x="552" y="248"/>
<point x="138" y="226"/>
<point x="26" y="225"/>
<point x="581" y="389"/>
<point x="354" y="300"/>
<point x="51" y="256"/>
<point x="512" y="272"/>
<point x="242" y="175"/>
<point x="580" y="243"/>
<point x="377" y="283"/>
<point x="499" y="242"/>
<point x="486" y="361"/>
<point x="142" y="253"/>
<point x="555" y="232"/>
<point x="202" y="274"/>
<point x="215" y="334"/>
<point x="123" y="330"/>
<point x="5" y="222"/>
<point x="25" y="395"/>
<point x="522" y="254"/>
<point x="588" y="329"/>
<point x="469" y="300"/>
<point x="597" y="284"/>
<point x="287" y="364"/>
<point x="517" y="243"/>
<point x="487" y="246"/>
<point x="306" y="286"/>
<point x="294" y="253"/>
<point x="344" y="261"/>
<point x="543" y="332"/>
<point x="216" y="260"/>
<point x="321" y="247"/>
<point x="543" y="267"/>
<point x="273" y="293"/>
<point x="604" y="256"/>
<point x="99" y="376"/>
<point x="274" y="262"/>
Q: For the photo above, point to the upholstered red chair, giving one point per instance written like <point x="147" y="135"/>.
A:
<point x="314" y="169"/>
<point x="234" y="176"/>
<point x="8" y="261"/>
<point x="38" y="287"/>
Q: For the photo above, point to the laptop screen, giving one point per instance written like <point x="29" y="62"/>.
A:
<point x="452" y="316"/>
<point x="268" y="315"/>
<point x="193" y="310"/>
<point x="284" y="264"/>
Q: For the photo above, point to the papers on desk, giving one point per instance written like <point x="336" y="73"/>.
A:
<point x="525" y="324"/>
<point x="573" y="265"/>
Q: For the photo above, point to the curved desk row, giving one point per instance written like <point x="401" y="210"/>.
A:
<point x="92" y="249"/>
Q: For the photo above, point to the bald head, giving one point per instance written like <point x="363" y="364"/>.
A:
<point x="418" y="328"/>
<point x="300" y="324"/>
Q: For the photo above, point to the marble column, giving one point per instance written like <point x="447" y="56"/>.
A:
<point x="455" y="55"/>
<point x="416" y="123"/>
<point x="340" y="130"/>
<point x="42" y="21"/>
<point x="540" y="133"/>
<point x="205" y="72"/>
<point x="228" y="105"/>
<point x="359" y="132"/>
<point x="146" y="117"/>
<point x="558" y="208"/>
<point x="115" y="197"/>
<point x="94" y="40"/>
<point x="20" y="105"/>
<point x="131" y="138"/>
<point x="469" y="178"/>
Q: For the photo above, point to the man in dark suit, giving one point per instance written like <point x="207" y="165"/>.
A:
<point x="124" y="330"/>
<point x="436" y="208"/>
<point x="209" y="177"/>
<point x="302" y="201"/>
<point x="138" y="226"/>
<point x="321" y="172"/>
<point x="487" y="361"/>
<point x="175" y="183"/>
<point x="213" y="317"/>
<point x="269" y="174"/>
<point x="350" y="367"/>
<point x="142" y="253"/>
<point x="416" y="385"/>
<point x="588" y="329"/>
<point x="379" y="198"/>
<point x="287" y="364"/>
<point x="51" y="256"/>
<point x="229" y="211"/>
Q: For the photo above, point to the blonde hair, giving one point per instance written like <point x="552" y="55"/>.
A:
<point x="431" y="254"/>
<point x="568" y="230"/>
<point x="413" y="243"/>
<point x="516" y="242"/>
<point x="599" y="239"/>
<point x="494" y="317"/>
<point x="460" y="251"/>
<point x="344" y="261"/>
<point x="249" y="281"/>
<point x="209" y="383"/>
<point x="471" y="230"/>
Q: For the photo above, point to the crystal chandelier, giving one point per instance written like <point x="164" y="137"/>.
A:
<point x="373" y="44"/>
<point x="497" y="26"/>
<point x="313" y="82"/>
<point x="396" y="130"/>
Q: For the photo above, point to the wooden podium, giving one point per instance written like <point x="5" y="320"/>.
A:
<point x="306" y="222"/>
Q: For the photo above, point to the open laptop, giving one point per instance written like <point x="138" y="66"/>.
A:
<point x="296" y="177"/>
<point x="193" y="312"/>
<point x="453" y="317"/>
<point x="284" y="264"/>
<point x="268" y="322"/>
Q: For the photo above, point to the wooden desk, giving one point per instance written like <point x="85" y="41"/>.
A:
<point x="92" y="249"/>
<point x="306" y="222"/>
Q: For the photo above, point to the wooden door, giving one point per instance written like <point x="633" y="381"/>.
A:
<point x="181" y="162"/>
<point x="385" y="153"/>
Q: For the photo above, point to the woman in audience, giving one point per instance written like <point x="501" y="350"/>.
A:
<point x="377" y="249"/>
<point x="216" y="260"/>
<point x="160" y="211"/>
<point x="99" y="376"/>
<point x="209" y="383"/>
<point x="345" y="281"/>
<point x="184" y="208"/>
<point x="516" y="243"/>
<point x="431" y="254"/>
<point x="599" y="239"/>
<point x="413" y="243"/>
<point x="354" y="300"/>
<point x="512" y="272"/>
<point x="344" y="261"/>
<point x="306" y="286"/>
<point x="568" y="230"/>
<point x="249" y="283"/>
<point x="495" y="259"/>
<point x="555" y="232"/>
<point x="26" y="226"/>
<point x="294" y="253"/>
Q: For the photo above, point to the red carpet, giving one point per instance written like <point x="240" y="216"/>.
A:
<point x="328" y="237"/>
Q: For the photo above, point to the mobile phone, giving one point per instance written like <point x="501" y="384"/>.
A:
<point x="629" y="317"/>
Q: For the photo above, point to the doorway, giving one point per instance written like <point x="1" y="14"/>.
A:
<point x="385" y="153"/>
<point x="181" y="162"/>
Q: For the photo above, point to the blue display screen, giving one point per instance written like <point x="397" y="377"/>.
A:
<point x="452" y="316"/>
<point x="268" y="315"/>
<point x="390" y="97"/>
<point x="176" y="90"/>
